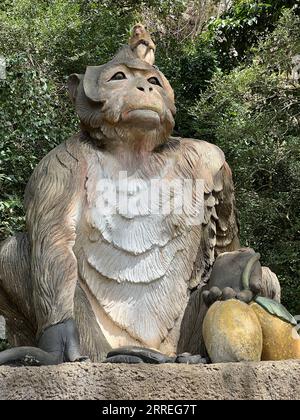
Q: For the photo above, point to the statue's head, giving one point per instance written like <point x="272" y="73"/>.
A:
<point x="124" y="100"/>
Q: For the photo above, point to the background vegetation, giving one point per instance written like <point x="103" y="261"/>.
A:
<point x="231" y="65"/>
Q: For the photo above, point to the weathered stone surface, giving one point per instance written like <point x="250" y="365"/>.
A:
<point x="232" y="332"/>
<point x="2" y="328"/>
<point x="280" y="339"/>
<point x="264" y="380"/>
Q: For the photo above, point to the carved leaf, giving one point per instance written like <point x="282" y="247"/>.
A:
<point x="275" y="308"/>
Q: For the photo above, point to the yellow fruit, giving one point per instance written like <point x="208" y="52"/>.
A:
<point x="232" y="332"/>
<point x="279" y="342"/>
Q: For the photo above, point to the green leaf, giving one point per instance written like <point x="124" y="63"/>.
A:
<point x="275" y="308"/>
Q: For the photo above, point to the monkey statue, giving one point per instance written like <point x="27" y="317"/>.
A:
<point x="142" y="44"/>
<point x="95" y="278"/>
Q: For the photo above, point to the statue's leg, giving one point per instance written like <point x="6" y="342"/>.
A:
<point x="191" y="339"/>
<point x="16" y="291"/>
<point x="92" y="341"/>
<point x="16" y="303"/>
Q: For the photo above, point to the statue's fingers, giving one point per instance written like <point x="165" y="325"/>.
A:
<point x="215" y="293"/>
<point x="228" y="293"/>
<point x="245" y="296"/>
<point x="212" y="296"/>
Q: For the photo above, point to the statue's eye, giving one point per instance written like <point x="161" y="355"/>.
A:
<point x="119" y="76"/>
<point x="154" y="81"/>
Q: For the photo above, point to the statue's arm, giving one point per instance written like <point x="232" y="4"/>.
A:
<point x="227" y="224"/>
<point x="231" y="262"/>
<point x="52" y="199"/>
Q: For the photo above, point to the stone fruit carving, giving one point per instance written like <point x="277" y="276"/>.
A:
<point x="235" y="331"/>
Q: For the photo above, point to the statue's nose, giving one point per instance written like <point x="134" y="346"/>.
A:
<point x="144" y="87"/>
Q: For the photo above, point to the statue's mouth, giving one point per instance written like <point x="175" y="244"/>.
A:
<point x="149" y="116"/>
<point x="153" y="108"/>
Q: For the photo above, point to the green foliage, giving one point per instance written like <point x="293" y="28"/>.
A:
<point x="253" y="115"/>
<point x="241" y="28"/>
<point x="192" y="59"/>
<point x="33" y="119"/>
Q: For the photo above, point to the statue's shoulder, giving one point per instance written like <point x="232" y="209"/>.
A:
<point x="65" y="161"/>
<point x="66" y="155"/>
<point x="202" y="153"/>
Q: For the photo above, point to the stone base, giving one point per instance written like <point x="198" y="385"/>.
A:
<point x="267" y="380"/>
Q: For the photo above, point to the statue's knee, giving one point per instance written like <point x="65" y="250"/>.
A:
<point x="16" y="290"/>
<point x="14" y="247"/>
<point x="14" y="259"/>
<point x="5" y="260"/>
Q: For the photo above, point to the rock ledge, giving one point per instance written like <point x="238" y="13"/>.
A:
<point x="267" y="380"/>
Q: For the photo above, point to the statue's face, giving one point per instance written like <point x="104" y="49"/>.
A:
<point x="127" y="99"/>
<point x="133" y="97"/>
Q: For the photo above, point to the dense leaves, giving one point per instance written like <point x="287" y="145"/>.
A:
<point x="236" y="31"/>
<point x="234" y="83"/>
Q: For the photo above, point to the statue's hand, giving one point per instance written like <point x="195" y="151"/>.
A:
<point x="62" y="342"/>
<point x="214" y="294"/>
<point x="235" y="275"/>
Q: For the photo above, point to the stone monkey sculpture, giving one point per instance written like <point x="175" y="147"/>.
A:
<point x="82" y="282"/>
<point x="142" y="44"/>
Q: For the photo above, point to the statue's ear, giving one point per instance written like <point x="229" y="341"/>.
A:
<point x="90" y="83"/>
<point x="73" y="83"/>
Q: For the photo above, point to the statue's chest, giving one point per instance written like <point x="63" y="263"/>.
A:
<point x="127" y="213"/>
<point x="137" y="250"/>
<point x="142" y="221"/>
